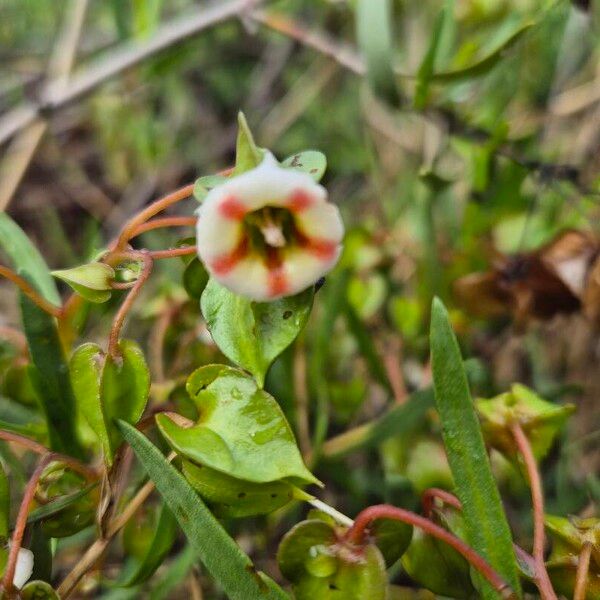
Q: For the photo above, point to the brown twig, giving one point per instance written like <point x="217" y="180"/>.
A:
<point x="537" y="497"/>
<point x="115" y="331"/>
<point x="583" y="567"/>
<point x="356" y="535"/>
<point x="28" y="290"/>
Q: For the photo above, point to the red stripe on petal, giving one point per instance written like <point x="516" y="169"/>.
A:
<point x="221" y="265"/>
<point x="321" y="248"/>
<point x="278" y="283"/>
<point x="300" y="201"/>
<point x="232" y="208"/>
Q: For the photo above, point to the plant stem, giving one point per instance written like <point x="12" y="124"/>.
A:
<point x="73" y="463"/>
<point x="341" y="518"/>
<point x="21" y="522"/>
<point x="583" y="567"/>
<point x="113" y="340"/>
<point x="537" y="497"/>
<point x="429" y="496"/>
<point x="163" y="222"/>
<point x="357" y="532"/>
<point x="131" y="226"/>
<point x="28" y="290"/>
<point x="173" y="252"/>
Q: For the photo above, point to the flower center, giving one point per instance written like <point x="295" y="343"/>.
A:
<point x="270" y="226"/>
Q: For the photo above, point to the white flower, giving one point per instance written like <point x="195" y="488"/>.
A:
<point x="269" y="232"/>
<point x="24" y="567"/>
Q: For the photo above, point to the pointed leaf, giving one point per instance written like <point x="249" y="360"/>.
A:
<point x="203" y="185"/>
<point x="487" y="528"/>
<point x="242" y="430"/>
<point x="91" y="281"/>
<point x="253" y="334"/>
<point x="50" y="377"/>
<point x="247" y="154"/>
<point x="220" y="554"/>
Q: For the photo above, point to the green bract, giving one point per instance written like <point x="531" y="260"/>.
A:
<point x="109" y="388"/>
<point x="91" y="281"/>
<point x="242" y="431"/>
<point x="542" y="421"/>
<point x="253" y="334"/>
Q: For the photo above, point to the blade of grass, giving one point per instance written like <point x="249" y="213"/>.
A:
<point x="218" y="552"/>
<point x="486" y="525"/>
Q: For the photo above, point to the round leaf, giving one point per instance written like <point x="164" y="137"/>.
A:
<point x="195" y="278"/>
<point x="231" y="497"/>
<point x="310" y="161"/>
<point x="392" y="538"/>
<point x="38" y="590"/>
<point x="241" y="431"/>
<point x="253" y="334"/>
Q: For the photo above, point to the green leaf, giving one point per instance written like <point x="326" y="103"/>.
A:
<point x="195" y="278"/>
<point x="26" y="258"/>
<point x="247" y="154"/>
<point x="161" y="543"/>
<point x="310" y="161"/>
<point x="203" y="185"/>
<point x="392" y="538"/>
<point x="312" y="558"/>
<point x="174" y="574"/>
<point x="218" y="552"/>
<point x="110" y="388"/>
<point x="38" y="590"/>
<point x="241" y="432"/>
<point x="427" y="67"/>
<point x="437" y="567"/>
<point x="374" y="33"/>
<point x="50" y="377"/>
<point x="253" y="334"/>
<point x="91" y="281"/>
<point x="56" y="506"/>
<point x="231" y="497"/>
<point x="486" y="64"/>
<point x="486" y="525"/>
<point x="542" y="421"/>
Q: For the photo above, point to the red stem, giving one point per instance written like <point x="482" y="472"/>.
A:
<point x="537" y="498"/>
<point x="28" y="290"/>
<point x="172" y="252"/>
<point x="430" y="495"/>
<point x="357" y="532"/>
<point x="21" y="522"/>
<point x="113" y="340"/>
<point x="164" y="222"/>
<point x="130" y="227"/>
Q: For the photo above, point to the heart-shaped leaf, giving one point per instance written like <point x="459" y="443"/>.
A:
<point x="231" y="497"/>
<point x="109" y="388"/>
<point x="91" y="281"/>
<point x="310" y="161"/>
<point x="392" y="538"/>
<point x="253" y="334"/>
<point x="241" y="431"/>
